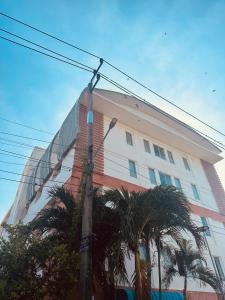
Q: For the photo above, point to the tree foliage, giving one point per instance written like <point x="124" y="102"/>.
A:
<point x="31" y="268"/>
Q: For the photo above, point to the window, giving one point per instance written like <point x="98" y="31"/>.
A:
<point x="205" y="223"/>
<point x="129" y="138"/>
<point x="186" y="164"/>
<point x="165" y="179"/>
<point x="159" y="151"/>
<point x="219" y="267"/>
<point x="195" y="192"/>
<point x="147" y="146"/>
<point x="132" y="169"/>
<point x="152" y="176"/>
<point x="177" y="183"/>
<point x="170" y="156"/>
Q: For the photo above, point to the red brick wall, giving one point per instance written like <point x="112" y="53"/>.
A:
<point x="81" y="144"/>
<point x="201" y="296"/>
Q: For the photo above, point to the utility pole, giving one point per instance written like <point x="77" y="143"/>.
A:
<point x="86" y="240"/>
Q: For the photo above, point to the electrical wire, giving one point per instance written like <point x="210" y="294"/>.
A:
<point x="30" y="138"/>
<point x="25" y="182"/>
<point x="117" y="69"/>
<point x="36" y="177"/>
<point x="123" y="157"/>
<point x="40" y="52"/>
<point x="130" y="93"/>
<point x="44" y="48"/>
<point x="49" y="35"/>
<point x="22" y="145"/>
<point x="26" y="126"/>
<point x="216" y="143"/>
<point x="124" y="89"/>
<point x="27" y="157"/>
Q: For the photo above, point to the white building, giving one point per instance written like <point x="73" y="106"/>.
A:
<point x="147" y="147"/>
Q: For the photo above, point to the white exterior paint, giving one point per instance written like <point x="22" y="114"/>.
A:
<point x="145" y="122"/>
<point x="116" y="155"/>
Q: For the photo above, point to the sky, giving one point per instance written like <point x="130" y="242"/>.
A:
<point x="175" y="47"/>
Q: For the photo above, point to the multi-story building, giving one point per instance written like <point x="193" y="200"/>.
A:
<point x="147" y="147"/>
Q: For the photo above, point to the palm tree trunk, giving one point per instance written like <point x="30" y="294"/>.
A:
<point x="138" y="283"/>
<point x="185" y="287"/>
<point x="149" y="272"/>
<point x="159" y="268"/>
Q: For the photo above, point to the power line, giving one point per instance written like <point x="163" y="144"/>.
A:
<point x="163" y="98"/>
<point x="35" y="177"/>
<point x="123" y="157"/>
<point x="28" y="157"/>
<point x="50" y="35"/>
<point x="33" y="139"/>
<point x="27" y="165"/>
<point x="130" y="93"/>
<point x="22" y="145"/>
<point x="44" y="48"/>
<point x="26" y="126"/>
<point x="20" y="181"/>
<point x="43" y="53"/>
<point x="116" y="68"/>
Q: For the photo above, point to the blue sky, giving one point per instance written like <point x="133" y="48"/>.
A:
<point x="175" y="47"/>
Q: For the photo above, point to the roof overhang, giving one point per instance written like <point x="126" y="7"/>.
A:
<point x="152" y="121"/>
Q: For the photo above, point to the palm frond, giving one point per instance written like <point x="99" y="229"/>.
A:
<point x="208" y="276"/>
<point x="64" y="195"/>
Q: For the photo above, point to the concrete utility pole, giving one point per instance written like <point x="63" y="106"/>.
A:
<point x="86" y="241"/>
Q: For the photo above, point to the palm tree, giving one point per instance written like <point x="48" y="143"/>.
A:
<point x="171" y="219"/>
<point x="149" y="216"/>
<point x="134" y="213"/>
<point x="62" y="221"/>
<point x="188" y="262"/>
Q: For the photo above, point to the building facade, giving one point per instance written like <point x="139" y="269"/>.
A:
<point x="147" y="147"/>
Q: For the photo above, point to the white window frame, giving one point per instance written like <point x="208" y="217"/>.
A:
<point x="206" y="223"/>
<point x="195" y="192"/>
<point x="186" y="163"/>
<point x="158" y="151"/>
<point x="170" y="157"/>
<point x="180" y="186"/>
<point x="155" y="181"/>
<point x="129" y="138"/>
<point x="166" y="176"/>
<point x="134" y="175"/>
<point x="147" y="146"/>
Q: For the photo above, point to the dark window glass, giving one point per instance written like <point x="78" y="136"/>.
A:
<point x="195" y="192"/>
<point x="170" y="156"/>
<point x="205" y="223"/>
<point x="159" y="151"/>
<point x="177" y="183"/>
<point x="132" y="169"/>
<point x="129" y="138"/>
<point x="186" y="164"/>
<point x="152" y="176"/>
<point x="165" y="179"/>
<point x="147" y="146"/>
